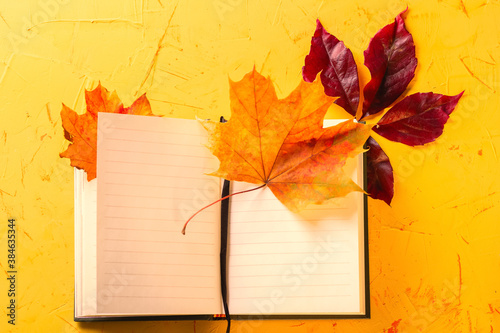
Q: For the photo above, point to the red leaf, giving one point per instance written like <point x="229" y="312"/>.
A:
<point x="390" y="57"/>
<point x="379" y="172"/>
<point x="417" y="119"/>
<point x="339" y="73"/>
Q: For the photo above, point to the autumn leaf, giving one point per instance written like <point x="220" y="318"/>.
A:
<point x="417" y="119"/>
<point x="379" y="172"/>
<point x="339" y="73"/>
<point x="282" y="144"/>
<point x="390" y="57"/>
<point x="81" y="130"/>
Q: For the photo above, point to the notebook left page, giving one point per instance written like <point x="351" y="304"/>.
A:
<point x="151" y="178"/>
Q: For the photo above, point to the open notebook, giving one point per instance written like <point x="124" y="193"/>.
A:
<point x="132" y="260"/>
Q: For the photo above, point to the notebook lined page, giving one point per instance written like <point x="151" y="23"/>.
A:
<point x="286" y="263"/>
<point x="151" y="174"/>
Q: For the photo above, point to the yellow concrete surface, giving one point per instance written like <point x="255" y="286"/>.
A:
<point x="434" y="255"/>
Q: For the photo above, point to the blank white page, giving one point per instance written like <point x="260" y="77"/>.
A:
<point x="286" y="263"/>
<point x="151" y="178"/>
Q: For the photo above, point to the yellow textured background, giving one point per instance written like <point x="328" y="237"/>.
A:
<point x="434" y="255"/>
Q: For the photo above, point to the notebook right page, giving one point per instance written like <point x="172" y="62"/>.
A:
<point x="281" y="263"/>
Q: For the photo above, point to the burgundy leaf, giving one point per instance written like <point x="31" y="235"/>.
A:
<point x="339" y="73"/>
<point x="379" y="172"/>
<point x="417" y="119"/>
<point x="390" y="57"/>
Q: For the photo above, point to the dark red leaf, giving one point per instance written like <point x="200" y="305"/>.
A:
<point x="390" y="57"/>
<point x="417" y="119"/>
<point x="379" y="172"/>
<point x="339" y="73"/>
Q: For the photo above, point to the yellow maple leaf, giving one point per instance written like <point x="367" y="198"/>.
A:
<point x="282" y="144"/>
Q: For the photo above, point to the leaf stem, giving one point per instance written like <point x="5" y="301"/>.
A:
<point x="219" y="200"/>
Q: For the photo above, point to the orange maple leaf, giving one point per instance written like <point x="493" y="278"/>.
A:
<point x="282" y="143"/>
<point x="81" y="130"/>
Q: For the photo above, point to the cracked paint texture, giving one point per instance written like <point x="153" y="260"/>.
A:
<point x="434" y="255"/>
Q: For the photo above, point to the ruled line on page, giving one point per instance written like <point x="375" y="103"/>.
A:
<point x="337" y="203"/>
<point x="123" y="195"/>
<point x="150" y="174"/>
<point x="161" y="221"/>
<point x="166" y="176"/>
<point x="281" y="231"/>
<point x="291" y="296"/>
<point x="208" y="209"/>
<point x="152" y="220"/>
<point x="155" y="286"/>
<point x="156" y="263"/>
<point x="290" y="264"/>
<point x="152" y="137"/>
<point x="274" y="275"/>
<point x="246" y="211"/>
<point x="147" y="230"/>
<point x="279" y="253"/>
<point x="149" y="130"/>
<point x="302" y="285"/>
<point x="164" y="275"/>
<point x="165" y="219"/>
<point x="240" y="211"/>
<point x="153" y="241"/>
<point x="191" y="232"/>
<point x="157" y="153"/>
<point x="155" y="186"/>
<point x="151" y="163"/>
<point x="152" y="142"/>
<point x="315" y="242"/>
<point x="164" y="297"/>
<point x="150" y="185"/>
<point x="274" y="221"/>
<point x="158" y="252"/>
<point x="141" y="207"/>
